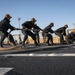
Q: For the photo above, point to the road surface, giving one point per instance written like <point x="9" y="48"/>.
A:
<point x="50" y="61"/>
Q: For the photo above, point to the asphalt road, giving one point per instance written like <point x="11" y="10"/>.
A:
<point x="56" y="61"/>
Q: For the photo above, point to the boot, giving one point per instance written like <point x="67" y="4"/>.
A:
<point x="36" y="44"/>
<point x="23" y="45"/>
<point x="12" y="44"/>
<point x="1" y="46"/>
<point x="48" y="44"/>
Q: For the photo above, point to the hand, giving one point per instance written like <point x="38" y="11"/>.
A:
<point x="17" y="28"/>
<point x="26" y="29"/>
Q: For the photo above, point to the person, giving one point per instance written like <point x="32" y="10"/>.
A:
<point x="26" y="30"/>
<point x="70" y="37"/>
<point x="36" y="31"/>
<point x="47" y="33"/>
<point x="4" y="26"/>
<point x="61" y="32"/>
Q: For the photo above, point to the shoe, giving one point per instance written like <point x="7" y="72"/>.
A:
<point x="48" y="44"/>
<point x="12" y="44"/>
<point x="37" y="44"/>
<point x="23" y="45"/>
<point x="1" y="46"/>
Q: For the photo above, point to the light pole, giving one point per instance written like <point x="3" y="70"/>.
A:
<point x="19" y="31"/>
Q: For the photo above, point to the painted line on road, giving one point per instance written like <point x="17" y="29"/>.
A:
<point x="4" y="70"/>
<point x="33" y="54"/>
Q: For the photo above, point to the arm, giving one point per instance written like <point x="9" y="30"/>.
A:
<point x="36" y="28"/>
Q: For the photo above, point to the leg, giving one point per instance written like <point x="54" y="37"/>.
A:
<point x="50" y="39"/>
<point x="33" y="36"/>
<point x="11" y="40"/>
<point x="25" y="38"/>
<point x="37" y="37"/>
<point x="61" y="37"/>
<point x="5" y="34"/>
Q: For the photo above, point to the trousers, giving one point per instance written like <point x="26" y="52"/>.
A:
<point x="28" y="33"/>
<point x="4" y="35"/>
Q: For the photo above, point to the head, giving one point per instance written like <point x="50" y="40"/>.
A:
<point x="51" y="24"/>
<point x="8" y="16"/>
<point x="33" y="20"/>
<point x="66" y="26"/>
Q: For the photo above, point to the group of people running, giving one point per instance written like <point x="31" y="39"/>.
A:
<point x="27" y="28"/>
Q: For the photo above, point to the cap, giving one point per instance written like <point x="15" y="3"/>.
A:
<point x="7" y="15"/>
<point x="66" y="25"/>
<point x="51" y="24"/>
<point x="33" y="19"/>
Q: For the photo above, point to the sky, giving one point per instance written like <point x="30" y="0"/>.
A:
<point x="60" y="12"/>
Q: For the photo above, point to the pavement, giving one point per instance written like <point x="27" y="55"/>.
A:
<point x="47" y="60"/>
<point x="31" y="48"/>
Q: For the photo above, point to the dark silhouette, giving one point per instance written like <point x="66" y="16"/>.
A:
<point x="4" y="26"/>
<point x="61" y="32"/>
<point x="48" y="33"/>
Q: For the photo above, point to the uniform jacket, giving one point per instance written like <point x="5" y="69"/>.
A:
<point x="47" y="30"/>
<point x="5" y="25"/>
<point x="29" y="25"/>
<point x="61" y="30"/>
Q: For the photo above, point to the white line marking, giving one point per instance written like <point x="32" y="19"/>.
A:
<point x="33" y="54"/>
<point x="73" y="47"/>
<point x="4" y="70"/>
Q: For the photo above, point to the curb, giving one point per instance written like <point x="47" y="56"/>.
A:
<point x="41" y="48"/>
